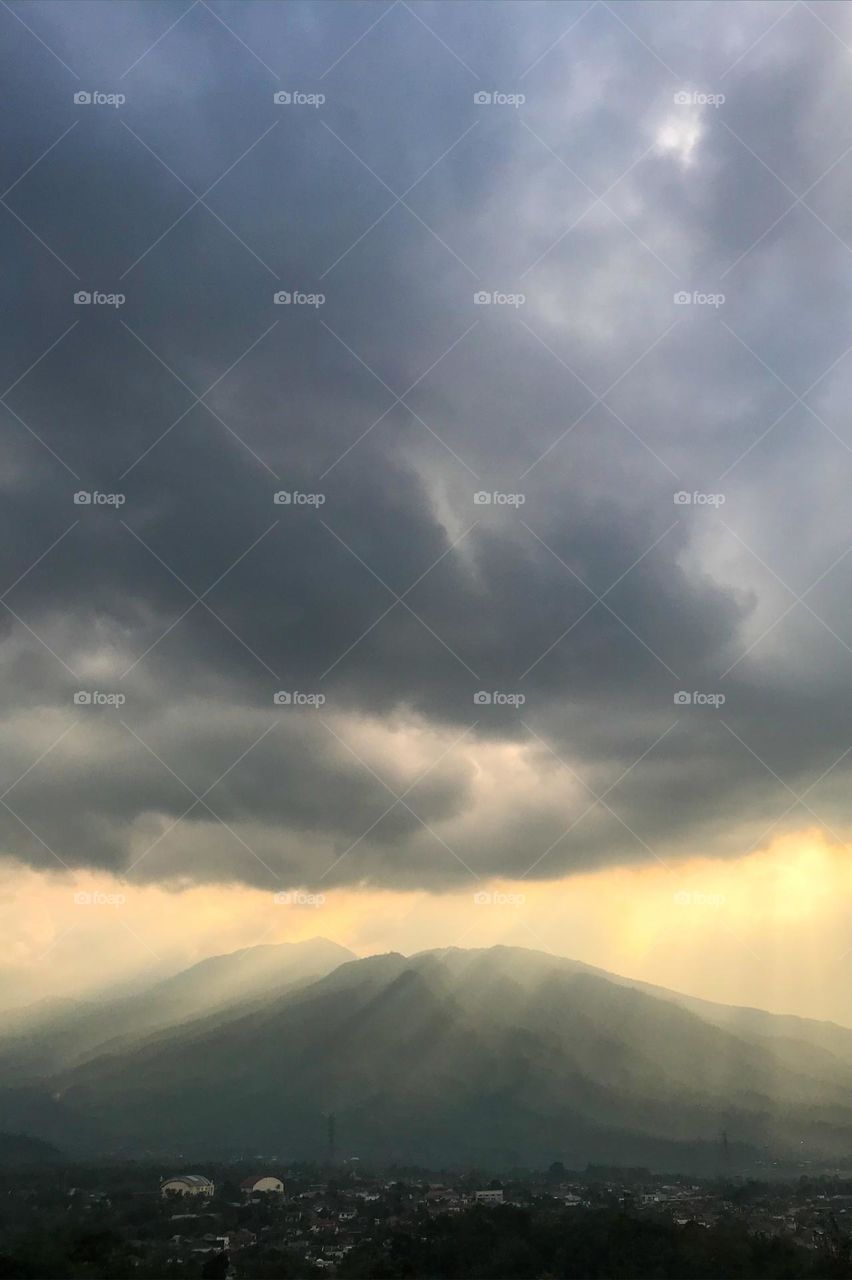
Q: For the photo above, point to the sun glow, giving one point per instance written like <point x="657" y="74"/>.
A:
<point x="770" y="928"/>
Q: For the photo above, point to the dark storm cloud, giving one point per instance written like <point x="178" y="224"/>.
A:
<point x="398" y="399"/>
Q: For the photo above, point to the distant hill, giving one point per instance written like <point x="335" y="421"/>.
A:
<point x="53" y="1035"/>
<point x="17" y="1150"/>
<point x="494" y="1057"/>
<point x="778" y="1027"/>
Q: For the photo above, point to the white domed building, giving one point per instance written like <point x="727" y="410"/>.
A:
<point x="262" y="1184"/>
<point x="187" y="1184"/>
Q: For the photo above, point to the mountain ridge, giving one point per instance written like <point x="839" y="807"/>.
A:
<point x="54" y="1036"/>
<point x="487" y="1056"/>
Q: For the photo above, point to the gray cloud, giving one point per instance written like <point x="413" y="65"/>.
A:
<point x="399" y="399"/>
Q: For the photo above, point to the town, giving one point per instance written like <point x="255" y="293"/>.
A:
<point x="300" y="1220"/>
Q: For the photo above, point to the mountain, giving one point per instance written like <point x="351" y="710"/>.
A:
<point x="17" y="1150"/>
<point x="53" y="1035"/>
<point x="778" y="1027"/>
<point x="495" y="1057"/>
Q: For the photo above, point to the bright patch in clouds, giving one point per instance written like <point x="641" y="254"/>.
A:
<point x="679" y="136"/>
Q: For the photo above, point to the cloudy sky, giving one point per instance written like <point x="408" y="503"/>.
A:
<point x="425" y="462"/>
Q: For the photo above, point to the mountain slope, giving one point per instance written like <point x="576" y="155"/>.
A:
<point x="55" y="1037"/>
<point x="476" y="1057"/>
<point x="828" y="1037"/>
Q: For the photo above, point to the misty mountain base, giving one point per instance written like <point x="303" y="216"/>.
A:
<point x="498" y="1058"/>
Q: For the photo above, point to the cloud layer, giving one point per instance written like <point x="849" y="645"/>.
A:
<point x="657" y="152"/>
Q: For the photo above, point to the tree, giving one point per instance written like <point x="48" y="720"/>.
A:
<point x="215" y="1267"/>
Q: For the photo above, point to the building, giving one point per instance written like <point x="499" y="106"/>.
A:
<point x="489" y="1197"/>
<point x="241" y="1239"/>
<point x="187" y="1184"/>
<point x="262" y="1184"/>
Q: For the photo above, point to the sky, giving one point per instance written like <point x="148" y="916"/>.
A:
<point x="425" y="464"/>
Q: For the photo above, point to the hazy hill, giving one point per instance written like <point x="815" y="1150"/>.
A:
<point x="472" y="1057"/>
<point x="829" y="1036"/>
<point x="17" y="1150"/>
<point x="52" y="1036"/>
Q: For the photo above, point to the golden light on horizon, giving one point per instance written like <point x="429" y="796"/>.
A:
<point x="770" y="928"/>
